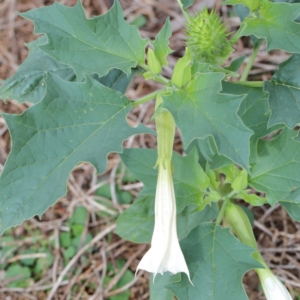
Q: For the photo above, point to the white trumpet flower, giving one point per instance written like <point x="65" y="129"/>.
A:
<point x="165" y="254"/>
<point x="272" y="286"/>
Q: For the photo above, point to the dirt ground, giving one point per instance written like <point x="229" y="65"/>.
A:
<point x="278" y="236"/>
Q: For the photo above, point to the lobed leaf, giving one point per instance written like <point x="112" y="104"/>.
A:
<point x="116" y="79"/>
<point x="72" y="124"/>
<point x="28" y="85"/>
<point x="208" y="153"/>
<point x="277" y="171"/>
<point x="89" y="46"/>
<point x="275" y="23"/>
<point x="292" y="204"/>
<point x="217" y="262"/>
<point x="200" y="111"/>
<point x="284" y="91"/>
<point x="243" y="12"/>
<point x="254" y="112"/>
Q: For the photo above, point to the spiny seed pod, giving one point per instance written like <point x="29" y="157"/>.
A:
<point x="207" y="38"/>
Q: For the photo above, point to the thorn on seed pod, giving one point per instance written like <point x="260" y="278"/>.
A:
<point x="207" y="38"/>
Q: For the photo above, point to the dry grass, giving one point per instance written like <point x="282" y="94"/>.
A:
<point x="277" y="234"/>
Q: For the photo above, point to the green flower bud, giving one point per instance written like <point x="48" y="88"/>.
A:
<point x="207" y="38"/>
<point x="240" y="224"/>
<point x="153" y="63"/>
<point x="182" y="70"/>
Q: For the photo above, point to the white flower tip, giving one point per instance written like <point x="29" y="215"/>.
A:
<point x="272" y="286"/>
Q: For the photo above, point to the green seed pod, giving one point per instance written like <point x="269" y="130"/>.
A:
<point x="153" y="63"/>
<point x="207" y="38"/>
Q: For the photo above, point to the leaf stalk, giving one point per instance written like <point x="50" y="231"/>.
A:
<point x="185" y="13"/>
<point x="221" y="213"/>
<point x="158" y="78"/>
<point x="147" y="98"/>
<point x="250" y="62"/>
<point x="249" y="83"/>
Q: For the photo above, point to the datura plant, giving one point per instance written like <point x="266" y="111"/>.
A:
<point x="240" y="138"/>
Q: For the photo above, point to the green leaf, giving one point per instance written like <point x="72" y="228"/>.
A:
<point x="28" y="261"/>
<point x="190" y="217"/>
<point x="288" y="1"/>
<point x="18" y="275"/>
<point x="254" y="112"/>
<point x="243" y="11"/>
<point x="79" y="216"/>
<point x="187" y="3"/>
<point x="73" y="123"/>
<point x="157" y="286"/>
<point x="137" y="222"/>
<point x="116" y="79"/>
<point x="236" y="64"/>
<point x="252" y="199"/>
<point x="292" y="204"/>
<point x="284" y="90"/>
<point x="275" y="22"/>
<point x="108" y="40"/>
<point x="200" y="111"/>
<point x="161" y="43"/>
<point x="208" y="152"/>
<point x="28" y="83"/>
<point x="217" y="262"/>
<point x="65" y="239"/>
<point x="250" y="4"/>
<point x="124" y="280"/>
<point x="236" y="177"/>
<point x="277" y="172"/>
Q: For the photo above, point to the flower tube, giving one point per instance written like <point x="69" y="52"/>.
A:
<point x="165" y="254"/>
<point x="272" y="286"/>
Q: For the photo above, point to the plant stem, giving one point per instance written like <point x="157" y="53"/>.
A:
<point x="221" y="213"/>
<point x="229" y="196"/>
<point x="158" y="78"/>
<point x="249" y="83"/>
<point x="147" y="98"/>
<point x="186" y="14"/>
<point x="250" y="62"/>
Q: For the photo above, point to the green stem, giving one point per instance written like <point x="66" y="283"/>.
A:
<point x="249" y="83"/>
<point x="230" y="195"/>
<point x="186" y="14"/>
<point x="221" y="213"/>
<point x="250" y="62"/>
<point x="147" y="98"/>
<point x="158" y="78"/>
